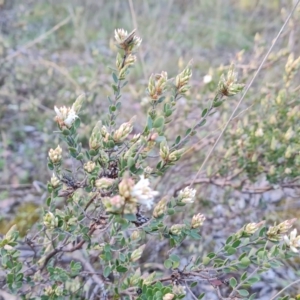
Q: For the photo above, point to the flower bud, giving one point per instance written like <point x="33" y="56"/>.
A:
<point x="48" y="291"/>
<point x="289" y="134"/>
<point x="177" y="229"/>
<point x="197" y="220"/>
<point x="176" y="155"/>
<point x="251" y="228"/>
<point x="114" y="204"/>
<point x="59" y="291"/>
<point x="274" y="144"/>
<point x="127" y="41"/>
<point x="78" y="103"/>
<point x="182" y="80"/>
<point x="104" y="183"/>
<point x="288" y="171"/>
<point x="136" y="254"/>
<point x="157" y="85"/>
<point x="89" y="166"/>
<point x="160" y="208"/>
<point x="187" y="195"/>
<point x="259" y="132"/>
<point x="286" y="225"/>
<point x="272" y="170"/>
<point x="54" y="181"/>
<point x="95" y="140"/>
<point x="123" y="131"/>
<point x="288" y="152"/>
<point x="11" y="234"/>
<point x="164" y="151"/>
<point x="168" y="296"/>
<point x="55" y="155"/>
<point x="50" y="221"/>
<point x="227" y="86"/>
<point x="125" y="187"/>
<point x="135" y="235"/>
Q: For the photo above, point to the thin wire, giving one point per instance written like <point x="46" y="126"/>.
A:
<point x="245" y="92"/>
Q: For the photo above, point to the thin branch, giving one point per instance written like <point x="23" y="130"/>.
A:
<point x="245" y="92"/>
<point x="284" y="289"/>
<point x="37" y="40"/>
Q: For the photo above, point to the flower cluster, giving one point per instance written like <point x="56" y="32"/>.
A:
<point x="55" y="155"/>
<point x="227" y="85"/>
<point x="275" y="232"/>
<point x="187" y="195"/>
<point x="66" y="116"/>
<point x="157" y="85"/>
<point x="127" y="41"/>
<point x="182" y="80"/>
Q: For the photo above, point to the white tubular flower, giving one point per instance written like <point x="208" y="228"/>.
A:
<point x="293" y="241"/>
<point x="187" y="195"/>
<point x="65" y="116"/>
<point x="142" y="192"/>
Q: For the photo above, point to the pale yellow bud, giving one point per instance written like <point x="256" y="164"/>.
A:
<point x="160" y="208"/>
<point x="104" y="183"/>
<point x="272" y="170"/>
<point x="125" y="187"/>
<point x="289" y="134"/>
<point x="135" y="235"/>
<point x="273" y="120"/>
<point x="50" y="221"/>
<point x="168" y="296"/>
<point x="259" y="132"/>
<point x="164" y="151"/>
<point x="187" y="195"/>
<point x="177" y="229"/>
<point x="55" y="155"/>
<point x="273" y="144"/>
<point x="288" y="171"/>
<point x="251" y="228"/>
<point x="54" y="181"/>
<point x="95" y="140"/>
<point x="288" y="152"/>
<point x="90" y="166"/>
<point x="136" y="254"/>
<point x="123" y="131"/>
<point x="197" y="220"/>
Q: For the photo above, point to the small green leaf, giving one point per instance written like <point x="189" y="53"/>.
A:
<point x="121" y="269"/>
<point x="159" y="122"/>
<point x="243" y="293"/>
<point x="106" y="271"/>
<point x="201" y="296"/>
<point x="232" y="282"/>
<point x="115" y="77"/>
<point x="168" y="263"/>
<point x="206" y="260"/>
<point x="217" y="103"/>
<point x="204" y="112"/>
<point x="174" y="257"/>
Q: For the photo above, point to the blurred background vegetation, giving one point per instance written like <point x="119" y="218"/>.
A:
<point x="50" y="51"/>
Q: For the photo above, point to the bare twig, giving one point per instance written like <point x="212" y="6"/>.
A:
<point x="245" y="92"/>
<point x="37" y="40"/>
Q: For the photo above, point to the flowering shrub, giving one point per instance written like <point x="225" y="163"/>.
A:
<point x="103" y="210"/>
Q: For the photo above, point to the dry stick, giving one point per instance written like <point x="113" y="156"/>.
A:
<point x="244" y="94"/>
<point x="37" y="40"/>
<point x="133" y="16"/>
<point x="288" y="286"/>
